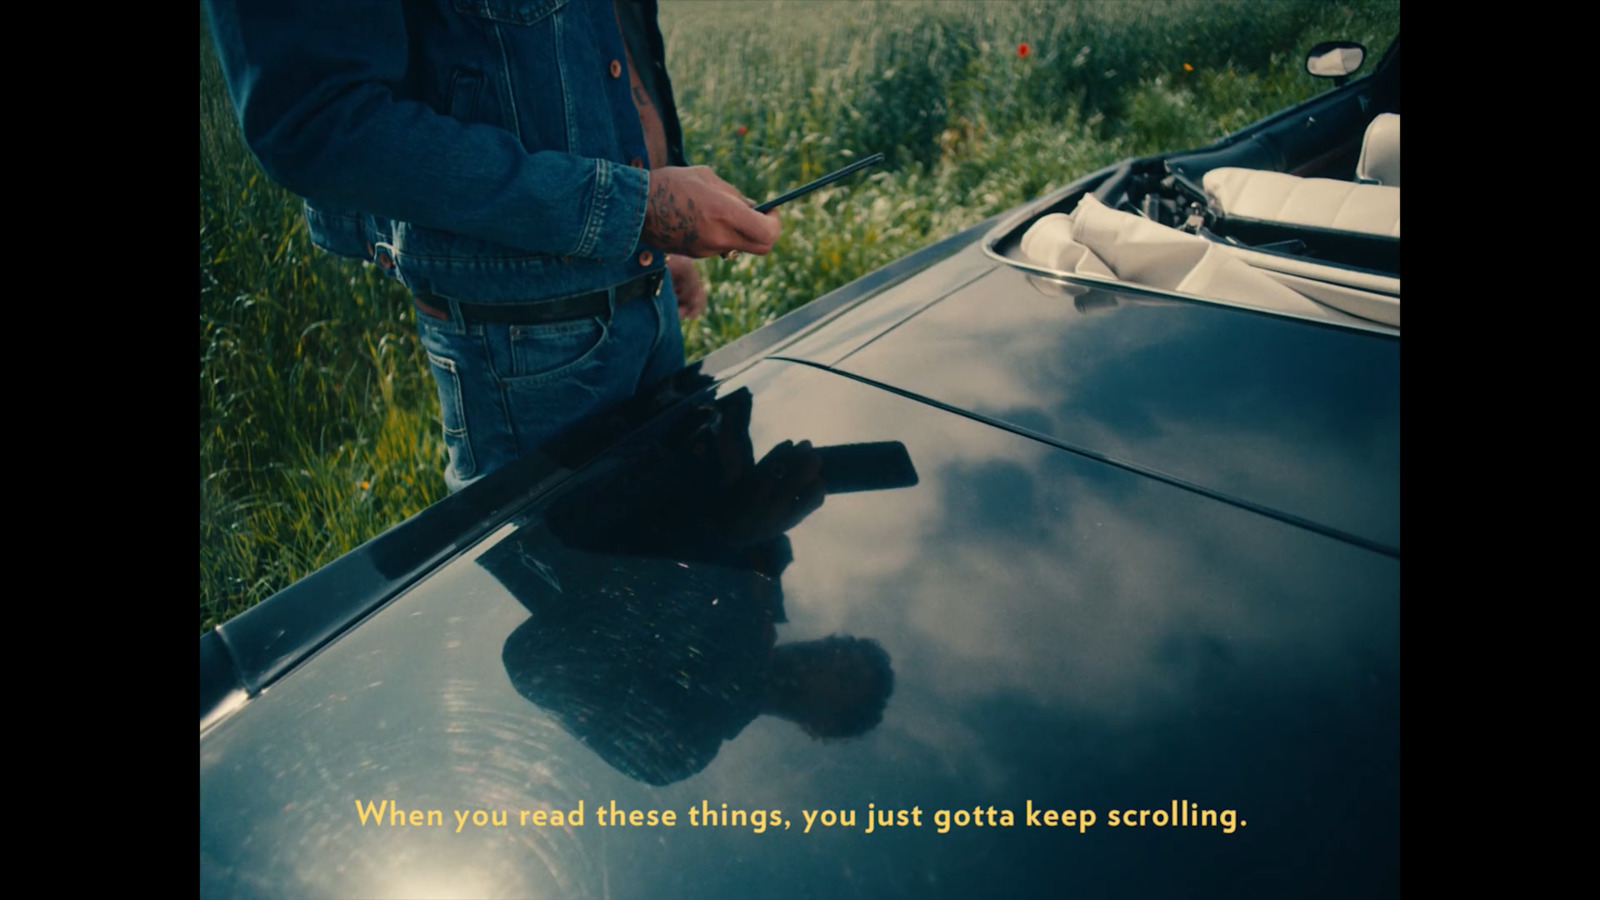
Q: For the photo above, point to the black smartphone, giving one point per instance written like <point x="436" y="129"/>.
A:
<point x="847" y="468"/>
<point x="829" y="178"/>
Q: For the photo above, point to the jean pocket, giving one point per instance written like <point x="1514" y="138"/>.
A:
<point x="452" y="415"/>
<point x="541" y="353"/>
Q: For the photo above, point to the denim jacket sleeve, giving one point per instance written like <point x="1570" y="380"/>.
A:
<point x="319" y="88"/>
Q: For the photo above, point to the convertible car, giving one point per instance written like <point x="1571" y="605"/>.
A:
<point x="1061" y="557"/>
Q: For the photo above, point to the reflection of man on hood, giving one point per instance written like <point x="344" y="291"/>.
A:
<point x="654" y="686"/>
<point x="655" y="599"/>
<point x="699" y="496"/>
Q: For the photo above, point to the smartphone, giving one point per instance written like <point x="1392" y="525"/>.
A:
<point x="829" y="178"/>
<point x="847" y="468"/>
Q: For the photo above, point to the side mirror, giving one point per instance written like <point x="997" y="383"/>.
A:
<point x="1336" y="60"/>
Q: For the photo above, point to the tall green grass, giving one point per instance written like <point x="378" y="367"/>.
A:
<point x="317" y="416"/>
<point x="318" y="420"/>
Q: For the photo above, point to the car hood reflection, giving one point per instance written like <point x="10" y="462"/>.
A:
<point x="1062" y="631"/>
<point x="654" y="664"/>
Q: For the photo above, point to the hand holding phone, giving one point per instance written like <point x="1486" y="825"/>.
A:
<point x="805" y="189"/>
<point x="827" y="179"/>
<point x="691" y="211"/>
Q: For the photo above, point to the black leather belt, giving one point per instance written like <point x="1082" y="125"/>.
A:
<point x="544" y="312"/>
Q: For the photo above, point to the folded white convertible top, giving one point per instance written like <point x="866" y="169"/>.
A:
<point x="1103" y="243"/>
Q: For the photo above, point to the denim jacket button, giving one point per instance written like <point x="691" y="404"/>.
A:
<point x="616" y="69"/>
<point x="384" y="260"/>
<point x="645" y="258"/>
<point x="636" y="162"/>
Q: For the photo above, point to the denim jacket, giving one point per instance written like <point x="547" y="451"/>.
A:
<point x="486" y="150"/>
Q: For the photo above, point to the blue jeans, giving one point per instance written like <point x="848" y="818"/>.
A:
<point x="506" y="389"/>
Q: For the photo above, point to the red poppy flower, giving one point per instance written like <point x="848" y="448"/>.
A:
<point x="1022" y="49"/>
<point x="741" y="130"/>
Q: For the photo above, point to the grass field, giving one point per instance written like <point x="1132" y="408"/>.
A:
<point x="318" y="419"/>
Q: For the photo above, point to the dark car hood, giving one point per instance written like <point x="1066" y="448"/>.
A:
<point x="1065" y="629"/>
<point x="1290" y="418"/>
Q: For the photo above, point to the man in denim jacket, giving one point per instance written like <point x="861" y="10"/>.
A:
<point x="519" y="165"/>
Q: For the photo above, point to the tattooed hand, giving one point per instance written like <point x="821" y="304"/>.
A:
<point x="693" y="212"/>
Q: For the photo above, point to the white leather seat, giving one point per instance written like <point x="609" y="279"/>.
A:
<point x="1313" y="202"/>
<point x="1380" y="152"/>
